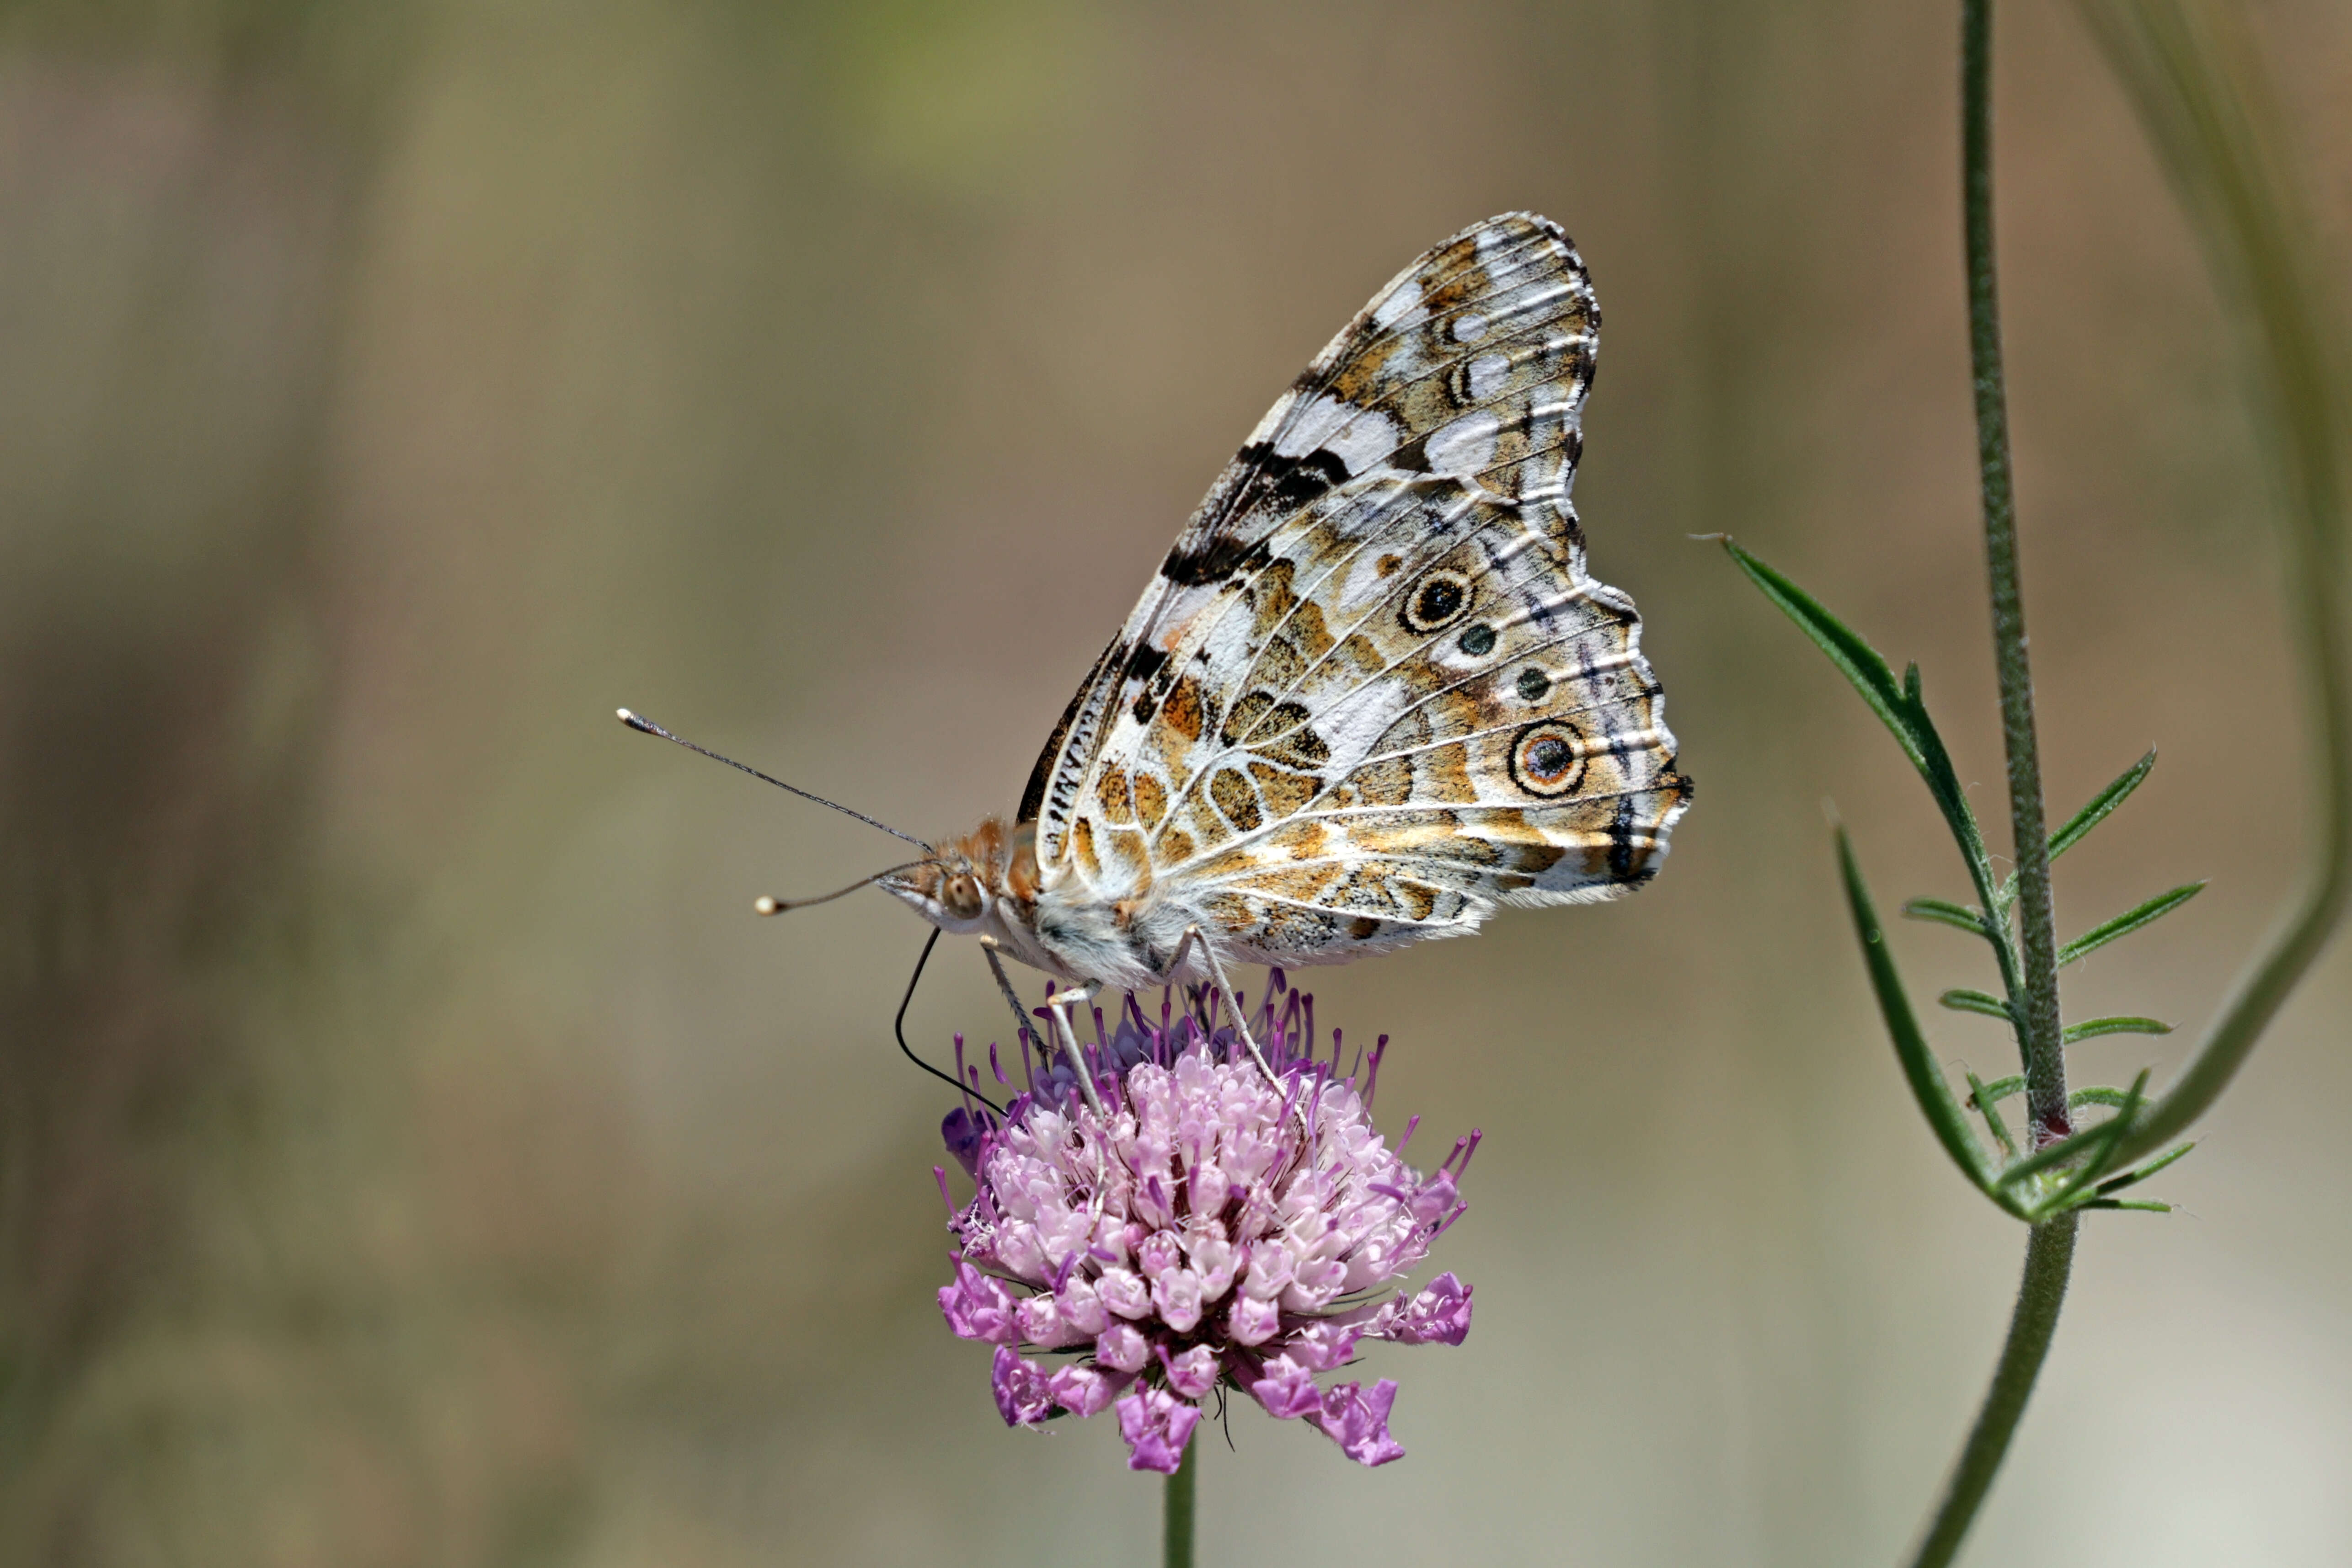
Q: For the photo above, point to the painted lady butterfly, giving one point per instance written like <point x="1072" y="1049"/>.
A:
<point x="1372" y="694"/>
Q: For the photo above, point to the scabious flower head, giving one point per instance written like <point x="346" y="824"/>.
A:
<point x="1210" y="1227"/>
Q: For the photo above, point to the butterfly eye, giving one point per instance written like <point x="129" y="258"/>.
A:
<point x="1547" y="760"/>
<point x="960" y="897"/>
<point x="1436" y="601"/>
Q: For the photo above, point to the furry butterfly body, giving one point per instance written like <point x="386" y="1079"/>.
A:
<point x="1372" y="694"/>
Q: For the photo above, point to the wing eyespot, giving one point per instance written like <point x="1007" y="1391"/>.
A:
<point x="1533" y="684"/>
<point x="1440" y="599"/>
<point x="1547" y="760"/>
<point x="1478" y="641"/>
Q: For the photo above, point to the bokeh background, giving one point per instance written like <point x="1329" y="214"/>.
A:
<point x="411" y="1150"/>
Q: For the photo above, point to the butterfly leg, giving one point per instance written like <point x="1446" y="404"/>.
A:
<point x="1192" y="936"/>
<point x="1059" y="1004"/>
<point x="1021" y="1025"/>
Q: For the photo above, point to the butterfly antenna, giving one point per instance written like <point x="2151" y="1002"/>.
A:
<point x="764" y="904"/>
<point x="648" y="726"/>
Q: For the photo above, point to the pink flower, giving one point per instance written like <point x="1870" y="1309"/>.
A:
<point x="1191" y="1373"/>
<point x="1206" y="1227"/>
<point x="1156" y="1425"/>
<point x="978" y="1307"/>
<point x="1286" y="1390"/>
<point x="1084" y="1390"/>
<point x="1024" y="1396"/>
<point x="1358" y="1423"/>
<point x="1439" y="1315"/>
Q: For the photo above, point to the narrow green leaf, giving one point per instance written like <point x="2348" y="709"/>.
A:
<point x="2102" y="805"/>
<point x="1961" y="999"/>
<point x="1926" y="1077"/>
<point x="2082" y="1097"/>
<point x="1860" y="662"/>
<point x="2116" y="1203"/>
<point x="2133" y="1178"/>
<point x="1951" y="797"/>
<point x="2092" y="1028"/>
<point x="2000" y="1089"/>
<point x="1990" y="1105"/>
<point x="2131" y="920"/>
<point x="1900" y="708"/>
<point x="1945" y="913"/>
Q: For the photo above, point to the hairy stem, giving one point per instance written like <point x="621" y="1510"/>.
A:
<point x="2038" y="1030"/>
<point x="2049" y="1260"/>
<point x="2049" y="1245"/>
<point x="1176" y="1523"/>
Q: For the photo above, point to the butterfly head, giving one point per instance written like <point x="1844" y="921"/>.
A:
<point x="968" y="885"/>
<point x="948" y="892"/>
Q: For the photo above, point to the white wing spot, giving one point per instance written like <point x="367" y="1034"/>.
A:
<point x="1312" y="423"/>
<point x="1465" y="446"/>
<point x="1403" y="302"/>
<point x="1368" y="438"/>
<point x="1469" y="327"/>
<point x="1488" y="374"/>
<point x="1356" y="436"/>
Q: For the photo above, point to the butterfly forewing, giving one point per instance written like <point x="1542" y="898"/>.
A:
<point x="1373" y="692"/>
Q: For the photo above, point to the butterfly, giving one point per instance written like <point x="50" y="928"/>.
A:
<point x="1372" y="695"/>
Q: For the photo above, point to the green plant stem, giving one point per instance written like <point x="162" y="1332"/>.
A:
<point x="2048" y="1261"/>
<point x="1176" y="1523"/>
<point x="2038" y="1030"/>
<point x="2050" y="1245"/>
<point x="2195" y="76"/>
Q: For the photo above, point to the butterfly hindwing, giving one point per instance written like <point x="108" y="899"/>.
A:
<point x="1373" y="692"/>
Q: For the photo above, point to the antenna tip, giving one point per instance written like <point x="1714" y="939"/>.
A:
<point x="764" y="904"/>
<point x="633" y="721"/>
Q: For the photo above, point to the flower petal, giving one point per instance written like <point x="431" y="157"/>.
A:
<point x="1156" y="1426"/>
<point x="1287" y="1390"/>
<point x="1123" y="1347"/>
<point x="1084" y="1390"/>
<point x="1359" y="1422"/>
<point x="978" y="1307"/>
<point x="1253" y="1321"/>
<point x="1193" y="1372"/>
<point x="1024" y="1396"/>
<point x="1439" y="1315"/>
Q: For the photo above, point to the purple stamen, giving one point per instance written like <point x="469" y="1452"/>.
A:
<point x="1372" y="1077"/>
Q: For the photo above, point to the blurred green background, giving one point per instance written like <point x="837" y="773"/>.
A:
<point x="411" y="1150"/>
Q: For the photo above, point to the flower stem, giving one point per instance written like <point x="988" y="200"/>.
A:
<point x="2049" y="1245"/>
<point x="2038" y="1029"/>
<point x="2049" y="1259"/>
<point x="1176" y="1524"/>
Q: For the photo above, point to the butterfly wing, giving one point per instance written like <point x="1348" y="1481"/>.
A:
<point x="1373" y="692"/>
<point x="1516" y="269"/>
